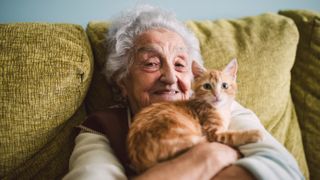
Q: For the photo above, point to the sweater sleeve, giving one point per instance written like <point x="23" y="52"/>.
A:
<point x="92" y="158"/>
<point x="267" y="159"/>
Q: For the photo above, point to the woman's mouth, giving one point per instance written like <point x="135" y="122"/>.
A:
<point x="166" y="95"/>
<point x="166" y="92"/>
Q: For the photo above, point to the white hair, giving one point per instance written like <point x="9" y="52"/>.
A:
<point x="131" y="24"/>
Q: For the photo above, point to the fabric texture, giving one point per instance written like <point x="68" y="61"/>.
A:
<point x="305" y="86"/>
<point x="265" y="47"/>
<point x="45" y="73"/>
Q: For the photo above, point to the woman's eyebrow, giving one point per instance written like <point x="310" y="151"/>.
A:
<point x="181" y="49"/>
<point x="156" y="50"/>
<point x="147" y="49"/>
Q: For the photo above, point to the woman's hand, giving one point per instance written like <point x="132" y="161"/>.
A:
<point x="221" y="155"/>
<point x="203" y="161"/>
<point x="226" y="156"/>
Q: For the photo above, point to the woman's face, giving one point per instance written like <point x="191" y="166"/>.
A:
<point x="161" y="69"/>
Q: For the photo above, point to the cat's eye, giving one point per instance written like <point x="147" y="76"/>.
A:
<point x="207" y="86"/>
<point x="225" y="85"/>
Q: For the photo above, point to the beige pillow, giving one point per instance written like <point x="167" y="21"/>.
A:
<point x="45" y="72"/>
<point x="265" y="47"/>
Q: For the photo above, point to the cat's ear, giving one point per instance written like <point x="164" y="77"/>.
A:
<point x="232" y="68"/>
<point x="197" y="69"/>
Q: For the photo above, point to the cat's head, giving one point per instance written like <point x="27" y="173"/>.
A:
<point x="215" y="86"/>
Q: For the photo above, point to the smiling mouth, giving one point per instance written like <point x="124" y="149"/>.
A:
<point x="166" y="92"/>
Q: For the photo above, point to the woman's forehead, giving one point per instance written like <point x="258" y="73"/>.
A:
<point x="154" y="48"/>
<point x="161" y="37"/>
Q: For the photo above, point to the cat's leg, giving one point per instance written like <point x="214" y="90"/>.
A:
<point x="237" y="138"/>
<point x="212" y="125"/>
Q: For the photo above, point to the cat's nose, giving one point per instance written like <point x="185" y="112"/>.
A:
<point x="216" y="98"/>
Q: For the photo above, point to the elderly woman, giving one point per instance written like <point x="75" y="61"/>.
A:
<point x="150" y="58"/>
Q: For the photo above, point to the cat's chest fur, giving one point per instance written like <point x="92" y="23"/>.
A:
<point x="204" y="110"/>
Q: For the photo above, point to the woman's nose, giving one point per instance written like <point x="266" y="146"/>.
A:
<point x="168" y="75"/>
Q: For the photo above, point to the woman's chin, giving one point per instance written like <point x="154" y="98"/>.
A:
<point x="166" y="97"/>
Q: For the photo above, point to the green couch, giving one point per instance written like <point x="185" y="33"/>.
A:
<point x="50" y="79"/>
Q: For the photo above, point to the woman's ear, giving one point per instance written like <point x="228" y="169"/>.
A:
<point x="232" y="68"/>
<point x="122" y="85"/>
<point x="197" y="69"/>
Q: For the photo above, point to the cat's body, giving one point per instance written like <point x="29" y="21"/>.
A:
<point x="164" y="130"/>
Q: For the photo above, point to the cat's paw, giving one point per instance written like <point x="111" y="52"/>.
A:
<point x="211" y="136"/>
<point x="255" y="135"/>
<point x="210" y="130"/>
<point x="238" y="138"/>
<point x="209" y="126"/>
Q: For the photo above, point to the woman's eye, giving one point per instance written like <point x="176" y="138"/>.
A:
<point x="207" y="86"/>
<point x="152" y="64"/>
<point x="225" y="85"/>
<point x="180" y="65"/>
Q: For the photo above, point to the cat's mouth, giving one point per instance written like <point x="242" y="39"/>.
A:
<point x="216" y="100"/>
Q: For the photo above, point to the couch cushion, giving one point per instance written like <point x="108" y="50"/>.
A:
<point x="45" y="72"/>
<point x="265" y="47"/>
<point x="305" y="85"/>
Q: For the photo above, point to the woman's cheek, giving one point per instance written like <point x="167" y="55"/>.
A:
<point x="184" y="84"/>
<point x="144" y="100"/>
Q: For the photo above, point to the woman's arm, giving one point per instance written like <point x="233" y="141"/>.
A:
<point x="201" y="162"/>
<point x="92" y="158"/>
<point x="234" y="172"/>
<point x="267" y="159"/>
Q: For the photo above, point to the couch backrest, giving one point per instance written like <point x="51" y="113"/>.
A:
<point x="305" y="86"/>
<point x="265" y="47"/>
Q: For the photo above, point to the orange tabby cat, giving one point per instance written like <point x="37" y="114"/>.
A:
<point x="163" y="130"/>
